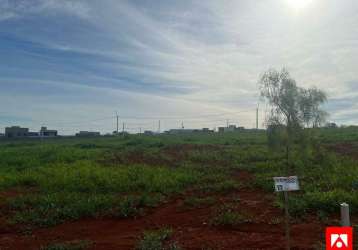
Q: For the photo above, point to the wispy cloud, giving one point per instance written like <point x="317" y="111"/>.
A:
<point x="201" y="56"/>
<point x="23" y="8"/>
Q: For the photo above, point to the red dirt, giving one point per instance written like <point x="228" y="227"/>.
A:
<point x="168" y="156"/>
<point x="14" y="192"/>
<point x="346" y="149"/>
<point x="192" y="229"/>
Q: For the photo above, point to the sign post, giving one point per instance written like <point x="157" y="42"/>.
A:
<point x="286" y="184"/>
<point x="287" y="222"/>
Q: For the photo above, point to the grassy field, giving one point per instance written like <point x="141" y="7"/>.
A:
<point x="49" y="182"/>
<point x="68" y="179"/>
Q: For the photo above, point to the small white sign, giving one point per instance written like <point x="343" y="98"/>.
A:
<point x="289" y="183"/>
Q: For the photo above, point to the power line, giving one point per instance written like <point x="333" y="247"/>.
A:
<point x="138" y="118"/>
<point x="182" y="117"/>
<point x="257" y="118"/>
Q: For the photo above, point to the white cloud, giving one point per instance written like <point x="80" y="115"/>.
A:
<point x="214" y="50"/>
<point x="68" y="112"/>
<point x="17" y="9"/>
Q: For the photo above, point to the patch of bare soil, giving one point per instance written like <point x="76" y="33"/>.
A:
<point x="192" y="227"/>
<point x="168" y="156"/>
<point x="5" y="226"/>
<point x="345" y="149"/>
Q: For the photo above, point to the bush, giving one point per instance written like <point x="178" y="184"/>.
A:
<point x="228" y="216"/>
<point x="81" y="245"/>
<point x="155" y="240"/>
<point x="195" y="202"/>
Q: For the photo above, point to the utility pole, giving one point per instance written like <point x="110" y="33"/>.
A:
<point x="257" y="118"/>
<point x="117" y="121"/>
<point x="123" y="129"/>
<point x="227" y="123"/>
<point x="182" y="125"/>
<point x="159" y="127"/>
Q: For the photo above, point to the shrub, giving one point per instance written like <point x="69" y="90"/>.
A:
<point x="81" y="245"/>
<point x="198" y="201"/>
<point x="228" y="216"/>
<point x="155" y="240"/>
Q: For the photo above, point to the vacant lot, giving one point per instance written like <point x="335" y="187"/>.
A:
<point x="170" y="192"/>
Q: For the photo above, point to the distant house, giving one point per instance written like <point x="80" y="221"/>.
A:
<point x="230" y="128"/>
<point x="207" y="130"/>
<point x="16" y="131"/>
<point x="44" y="132"/>
<point x="88" y="134"/>
<point x="331" y="125"/>
<point x="33" y="134"/>
<point x="189" y="131"/>
<point x="1" y="134"/>
<point x="148" y="132"/>
<point x="120" y="133"/>
<point x="181" y="131"/>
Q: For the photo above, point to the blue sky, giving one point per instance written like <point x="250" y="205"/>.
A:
<point x="72" y="64"/>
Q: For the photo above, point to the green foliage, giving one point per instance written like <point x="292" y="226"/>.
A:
<point x="81" y="245"/>
<point x="276" y="137"/>
<point x="325" y="183"/>
<point x="227" y="215"/>
<point x="39" y="155"/>
<point x="343" y="134"/>
<point x="54" y="208"/>
<point x="85" y="176"/>
<point x="155" y="240"/>
<point x="68" y="179"/>
<point x="132" y="206"/>
<point x="291" y="106"/>
<point x="195" y="202"/>
<point x="219" y="187"/>
<point x="292" y="109"/>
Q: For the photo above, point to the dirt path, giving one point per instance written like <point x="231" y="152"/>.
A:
<point x="192" y="228"/>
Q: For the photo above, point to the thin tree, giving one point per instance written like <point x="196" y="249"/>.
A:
<point x="292" y="108"/>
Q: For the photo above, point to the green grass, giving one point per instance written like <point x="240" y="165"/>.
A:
<point x="80" y="245"/>
<point x="70" y="178"/>
<point x="325" y="183"/>
<point x="348" y="134"/>
<point x="69" y="192"/>
<point x="55" y="208"/>
<point x="224" y="186"/>
<point x="88" y="177"/>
